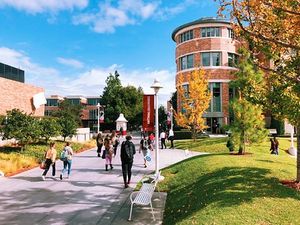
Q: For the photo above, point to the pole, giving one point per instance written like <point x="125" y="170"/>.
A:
<point x="156" y="136"/>
<point x="98" y="118"/>
<point x="171" y="117"/>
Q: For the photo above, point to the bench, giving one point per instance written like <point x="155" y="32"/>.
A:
<point x="143" y="197"/>
<point x="272" y="131"/>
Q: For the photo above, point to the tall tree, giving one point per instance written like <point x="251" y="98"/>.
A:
<point x="67" y="108"/>
<point x="118" y="99"/>
<point x="173" y="101"/>
<point x="49" y="128"/>
<point x="193" y="102"/>
<point x="273" y="28"/>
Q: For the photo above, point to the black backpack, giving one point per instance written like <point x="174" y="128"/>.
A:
<point x="128" y="151"/>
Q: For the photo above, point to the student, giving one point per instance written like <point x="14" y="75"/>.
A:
<point x="108" y="153"/>
<point x="171" y="138"/>
<point x="68" y="153"/>
<point x="127" y="154"/>
<point x="99" y="142"/>
<point x="163" y="136"/>
<point x="50" y="160"/>
<point x="145" y="146"/>
<point x="276" y="146"/>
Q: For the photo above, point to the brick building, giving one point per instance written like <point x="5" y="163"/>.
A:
<point x="89" y="112"/>
<point x="14" y="93"/>
<point x="208" y="43"/>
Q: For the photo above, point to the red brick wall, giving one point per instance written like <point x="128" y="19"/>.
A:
<point x="18" y="95"/>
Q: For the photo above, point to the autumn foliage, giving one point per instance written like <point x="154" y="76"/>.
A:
<point x="193" y="102"/>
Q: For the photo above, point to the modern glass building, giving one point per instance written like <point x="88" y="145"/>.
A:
<point x="11" y="73"/>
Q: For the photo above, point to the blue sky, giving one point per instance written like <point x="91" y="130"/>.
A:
<point x="69" y="47"/>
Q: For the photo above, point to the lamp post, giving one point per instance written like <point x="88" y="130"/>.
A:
<point x="98" y="117"/>
<point x="156" y="86"/>
<point x="171" y="114"/>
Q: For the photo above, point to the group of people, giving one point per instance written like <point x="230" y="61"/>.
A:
<point x="163" y="136"/>
<point x="50" y="159"/>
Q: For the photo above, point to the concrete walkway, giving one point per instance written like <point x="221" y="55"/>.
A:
<point x="91" y="196"/>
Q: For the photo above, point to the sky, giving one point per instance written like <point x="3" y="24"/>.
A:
<point x="69" y="47"/>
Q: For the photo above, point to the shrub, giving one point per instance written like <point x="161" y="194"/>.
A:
<point x="182" y="134"/>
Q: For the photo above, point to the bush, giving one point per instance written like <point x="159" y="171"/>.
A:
<point x="182" y="134"/>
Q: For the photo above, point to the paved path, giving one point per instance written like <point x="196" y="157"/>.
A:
<point x="91" y="196"/>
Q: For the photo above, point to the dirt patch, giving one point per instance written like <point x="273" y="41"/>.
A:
<point x="291" y="184"/>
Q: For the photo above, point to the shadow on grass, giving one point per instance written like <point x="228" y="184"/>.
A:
<point x="227" y="187"/>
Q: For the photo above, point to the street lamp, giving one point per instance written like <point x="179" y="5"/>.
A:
<point x="156" y="86"/>
<point x="98" y="117"/>
<point x="171" y="114"/>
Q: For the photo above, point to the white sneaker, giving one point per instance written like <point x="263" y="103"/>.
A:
<point x="43" y="177"/>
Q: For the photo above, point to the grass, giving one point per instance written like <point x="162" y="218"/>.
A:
<point x="231" y="189"/>
<point x="12" y="160"/>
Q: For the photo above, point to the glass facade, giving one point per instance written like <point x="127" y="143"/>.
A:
<point x="74" y="101"/>
<point x="187" y="62"/>
<point x="230" y="33"/>
<point x="52" y="102"/>
<point x="11" y="73"/>
<point x="93" y="101"/>
<point x="93" y="114"/>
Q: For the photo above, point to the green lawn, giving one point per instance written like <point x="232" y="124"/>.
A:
<point x="231" y="189"/>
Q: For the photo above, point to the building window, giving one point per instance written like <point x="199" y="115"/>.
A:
<point x="52" y="102"/>
<point x="93" y="114"/>
<point x="211" y="58"/>
<point x="93" y="101"/>
<point x="230" y="33"/>
<point x="74" y="101"/>
<point x="186" y="36"/>
<point x="210" y="32"/>
<point x="187" y="62"/>
<point x="232" y="59"/>
<point x="215" y="102"/>
<point x="186" y="90"/>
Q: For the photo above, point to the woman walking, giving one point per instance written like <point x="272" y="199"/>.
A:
<point x="67" y="160"/>
<point x="50" y="160"/>
<point x="108" y="153"/>
<point x="99" y="141"/>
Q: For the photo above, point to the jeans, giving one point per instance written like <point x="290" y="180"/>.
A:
<point x="126" y="170"/>
<point x="48" y="164"/>
<point x="163" y="143"/>
<point x="67" y="163"/>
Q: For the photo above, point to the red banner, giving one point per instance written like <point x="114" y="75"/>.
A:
<point x="148" y="113"/>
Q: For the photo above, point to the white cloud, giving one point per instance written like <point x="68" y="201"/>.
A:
<point x="40" y="6"/>
<point x="70" y="62"/>
<point x="88" y="83"/>
<point x="109" y="16"/>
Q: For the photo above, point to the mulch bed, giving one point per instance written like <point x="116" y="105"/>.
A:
<point x="291" y="184"/>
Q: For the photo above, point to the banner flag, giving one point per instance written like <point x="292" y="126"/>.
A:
<point x="148" y="113"/>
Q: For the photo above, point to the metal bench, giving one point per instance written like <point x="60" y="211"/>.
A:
<point x="143" y="197"/>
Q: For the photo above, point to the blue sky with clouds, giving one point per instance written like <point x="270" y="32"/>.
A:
<point x="69" y="47"/>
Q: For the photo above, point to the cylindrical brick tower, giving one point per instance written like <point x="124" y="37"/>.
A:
<point x="209" y="43"/>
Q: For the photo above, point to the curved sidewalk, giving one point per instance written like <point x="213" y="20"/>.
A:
<point x="91" y="196"/>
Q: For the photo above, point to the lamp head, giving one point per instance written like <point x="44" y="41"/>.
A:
<point x="156" y="86"/>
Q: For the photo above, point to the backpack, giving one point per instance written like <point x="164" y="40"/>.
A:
<point x="64" y="155"/>
<point x="128" y="153"/>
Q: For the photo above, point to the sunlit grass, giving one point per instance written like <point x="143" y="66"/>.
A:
<point x="220" y="188"/>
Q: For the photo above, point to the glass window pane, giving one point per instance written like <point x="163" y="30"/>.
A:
<point x="190" y="61"/>
<point x="216" y="57"/>
<point x="205" y="57"/>
<point x="203" y="32"/>
<point x="216" y="97"/>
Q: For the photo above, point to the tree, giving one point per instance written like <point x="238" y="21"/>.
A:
<point x="67" y="108"/>
<point x="118" y="99"/>
<point x="162" y="117"/>
<point x="193" y="102"/>
<point x="272" y="29"/>
<point x="68" y="125"/>
<point x="24" y="128"/>
<point x="173" y="101"/>
<point x="49" y="128"/>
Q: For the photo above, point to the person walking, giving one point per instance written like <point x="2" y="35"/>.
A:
<point x="67" y="160"/>
<point x="99" y="142"/>
<point x="50" y="156"/>
<point x="276" y="146"/>
<point x="171" y="138"/>
<point x="163" y="136"/>
<point x="145" y="146"/>
<point x="127" y="154"/>
<point x="115" y="141"/>
<point x="108" y="153"/>
<point x="272" y="148"/>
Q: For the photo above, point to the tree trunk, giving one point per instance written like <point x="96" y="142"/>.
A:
<point x="298" y="153"/>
